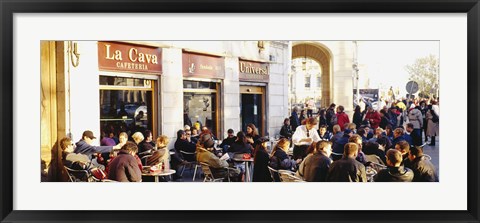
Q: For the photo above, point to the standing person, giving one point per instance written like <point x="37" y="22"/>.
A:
<point x="302" y="116"/>
<point x="304" y="136"/>
<point x="347" y="169"/>
<point x="316" y="166"/>
<point x="384" y="119"/>
<point x="260" y="162"/>
<point x="252" y="135"/>
<point x="331" y="117"/>
<point x="423" y="109"/>
<point x="322" y="119"/>
<point x="357" y="116"/>
<point x="432" y="126"/>
<point x="393" y="116"/>
<point x="342" y="117"/>
<point x="294" y="120"/>
<point x="423" y="169"/>
<point x="124" y="167"/>
<point x="415" y="117"/>
<point x="310" y="106"/>
<point x="286" y="130"/>
<point x="395" y="171"/>
<point x="373" y="117"/>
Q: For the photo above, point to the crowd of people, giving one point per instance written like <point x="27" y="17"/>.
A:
<point x="323" y="147"/>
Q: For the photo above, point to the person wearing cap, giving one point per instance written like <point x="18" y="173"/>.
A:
<point x="304" y="136"/>
<point x="220" y="168"/>
<point x="227" y="142"/>
<point x="85" y="145"/>
<point x="395" y="172"/>
<point x="339" y="144"/>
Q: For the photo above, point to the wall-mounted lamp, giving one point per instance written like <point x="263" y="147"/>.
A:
<point x="261" y="46"/>
<point x="73" y="53"/>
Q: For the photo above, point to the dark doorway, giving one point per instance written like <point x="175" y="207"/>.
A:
<point x="251" y="111"/>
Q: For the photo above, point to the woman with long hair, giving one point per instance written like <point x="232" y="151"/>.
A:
<point x="279" y="158"/>
<point x="252" y="135"/>
<point x="260" y="162"/>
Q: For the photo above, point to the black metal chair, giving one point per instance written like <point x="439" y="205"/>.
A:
<point x="274" y="174"/>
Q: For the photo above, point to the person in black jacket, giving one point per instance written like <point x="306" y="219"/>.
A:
<point x="395" y="171"/>
<point x="357" y="116"/>
<point x="347" y="169"/>
<point x="315" y="167"/>
<point x="240" y="145"/>
<point x="260" y="162"/>
<point x="227" y="142"/>
<point x="182" y="144"/>
<point x="286" y="130"/>
<point x="423" y="169"/>
<point x="280" y="159"/>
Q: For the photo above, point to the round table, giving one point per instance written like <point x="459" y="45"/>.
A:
<point x="159" y="174"/>
<point x="247" y="167"/>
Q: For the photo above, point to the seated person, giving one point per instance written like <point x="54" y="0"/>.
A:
<point x="373" y="152"/>
<point x="160" y="154"/>
<point x="85" y="145"/>
<point x="395" y="171"/>
<point x="324" y="134"/>
<point x="280" y="160"/>
<point x="260" y="162"/>
<point x="347" y="169"/>
<point x="315" y="167"/>
<point x="423" y="169"/>
<point x="182" y="144"/>
<point x="404" y="148"/>
<point x="70" y="159"/>
<point x="124" y="167"/>
<point x="219" y="168"/>
<point x="227" y="142"/>
<point x="240" y="145"/>
<point x="191" y="139"/>
<point x="286" y="130"/>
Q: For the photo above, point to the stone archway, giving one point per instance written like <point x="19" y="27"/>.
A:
<point x="323" y="56"/>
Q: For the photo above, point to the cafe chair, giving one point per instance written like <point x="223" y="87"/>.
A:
<point x="78" y="175"/>
<point x="274" y="174"/>
<point x="144" y="159"/>
<point x="190" y="163"/>
<point x="289" y="176"/>
<point x="209" y="175"/>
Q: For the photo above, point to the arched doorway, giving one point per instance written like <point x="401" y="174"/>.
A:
<point x="311" y="63"/>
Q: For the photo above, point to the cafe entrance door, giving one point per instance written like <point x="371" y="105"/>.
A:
<point x="252" y="107"/>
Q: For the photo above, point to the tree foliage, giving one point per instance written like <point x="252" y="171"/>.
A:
<point x="424" y="71"/>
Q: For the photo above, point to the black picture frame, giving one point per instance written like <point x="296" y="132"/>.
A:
<point x="9" y="7"/>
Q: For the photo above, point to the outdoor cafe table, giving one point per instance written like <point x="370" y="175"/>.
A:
<point x="158" y="174"/>
<point x="247" y="167"/>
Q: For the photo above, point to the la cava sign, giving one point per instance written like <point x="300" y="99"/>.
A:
<point x="114" y="56"/>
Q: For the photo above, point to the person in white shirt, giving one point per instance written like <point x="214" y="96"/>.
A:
<point x="304" y="136"/>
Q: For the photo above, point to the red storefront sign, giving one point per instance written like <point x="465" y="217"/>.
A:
<point x="197" y="65"/>
<point x="113" y="56"/>
<point x="253" y="71"/>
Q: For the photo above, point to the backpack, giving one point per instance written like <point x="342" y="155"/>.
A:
<point x="435" y="117"/>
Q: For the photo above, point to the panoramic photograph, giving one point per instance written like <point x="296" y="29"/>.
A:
<point x="287" y="111"/>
